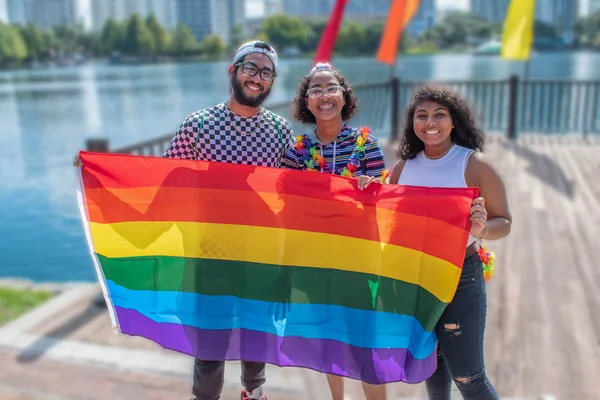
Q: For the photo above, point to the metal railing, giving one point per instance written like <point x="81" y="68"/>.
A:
<point x="511" y="106"/>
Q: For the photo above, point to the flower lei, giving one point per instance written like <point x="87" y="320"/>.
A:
<point x="488" y="262"/>
<point x="310" y="156"/>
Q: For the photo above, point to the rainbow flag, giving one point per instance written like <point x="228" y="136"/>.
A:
<point x="292" y="268"/>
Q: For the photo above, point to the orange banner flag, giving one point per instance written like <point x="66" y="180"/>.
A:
<point x="401" y="13"/>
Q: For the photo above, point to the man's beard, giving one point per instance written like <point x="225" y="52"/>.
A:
<point x="245" y="100"/>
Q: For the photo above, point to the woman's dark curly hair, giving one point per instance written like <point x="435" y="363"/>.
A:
<point x="304" y="115"/>
<point x="465" y="133"/>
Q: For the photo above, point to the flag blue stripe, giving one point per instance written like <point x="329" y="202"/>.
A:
<point x="368" y="329"/>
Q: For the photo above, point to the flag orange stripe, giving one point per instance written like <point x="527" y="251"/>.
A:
<point x="433" y="237"/>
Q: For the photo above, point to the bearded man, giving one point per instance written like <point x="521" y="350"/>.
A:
<point x="238" y="131"/>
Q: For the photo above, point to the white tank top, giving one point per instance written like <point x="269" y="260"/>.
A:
<point x="448" y="171"/>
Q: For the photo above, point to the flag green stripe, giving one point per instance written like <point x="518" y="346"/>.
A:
<point x="276" y="284"/>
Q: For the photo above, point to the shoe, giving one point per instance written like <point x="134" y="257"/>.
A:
<point x="246" y="396"/>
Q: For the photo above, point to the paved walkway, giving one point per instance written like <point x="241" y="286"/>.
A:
<point x="543" y="331"/>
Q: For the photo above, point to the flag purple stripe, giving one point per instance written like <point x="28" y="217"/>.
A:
<point x="370" y="365"/>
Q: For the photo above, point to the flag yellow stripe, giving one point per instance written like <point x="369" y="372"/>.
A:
<point x="276" y="246"/>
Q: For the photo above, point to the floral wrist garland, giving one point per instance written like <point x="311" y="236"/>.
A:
<point x="310" y="156"/>
<point x="488" y="262"/>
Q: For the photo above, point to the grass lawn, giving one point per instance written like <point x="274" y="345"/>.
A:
<point x="16" y="302"/>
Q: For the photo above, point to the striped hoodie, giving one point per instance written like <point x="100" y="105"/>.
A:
<point x="355" y="152"/>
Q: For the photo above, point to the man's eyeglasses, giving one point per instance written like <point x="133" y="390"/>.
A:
<point x="319" y="92"/>
<point x="251" y="70"/>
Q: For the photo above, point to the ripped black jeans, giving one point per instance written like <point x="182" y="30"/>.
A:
<point x="460" y="340"/>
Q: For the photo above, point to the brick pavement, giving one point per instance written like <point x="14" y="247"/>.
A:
<point x="50" y="379"/>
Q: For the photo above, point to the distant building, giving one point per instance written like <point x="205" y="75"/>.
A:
<point x="3" y="11"/>
<point x="562" y="14"/>
<point x="322" y="8"/>
<point x="363" y="10"/>
<point x="493" y="11"/>
<point x="103" y="10"/>
<point x="274" y="7"/>
<point x="19" y="11"/>
<point x="51" y="13"/>
<point x="82" y="10"/>
<point x="424" y="19"/>
<point x="164" y="10"/>
<point x="237" y="15"/>
<point x="205" y="17"/>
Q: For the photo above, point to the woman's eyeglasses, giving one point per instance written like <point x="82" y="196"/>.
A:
<point x="319" y="92"/>
<point x="251" y="70"/>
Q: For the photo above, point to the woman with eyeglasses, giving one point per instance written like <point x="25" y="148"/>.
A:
<point x="325" y="99"/>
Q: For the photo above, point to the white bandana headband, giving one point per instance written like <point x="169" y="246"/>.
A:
<point x="256" y="46"/>
<point x="321" y="67"/>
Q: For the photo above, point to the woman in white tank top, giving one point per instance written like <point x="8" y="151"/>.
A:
<point x="441" y="147"/>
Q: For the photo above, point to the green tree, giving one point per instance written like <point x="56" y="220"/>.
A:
<point x="34" y="40"/>
<point x="213" y="46"/>
<point x="545" y="30"/>
<point x="372" y="37"/>
<point x="285" y="31"/>
<point x="457" y="27"/>
<point x="89" y="42"/>
<point x="588" y="30"/>
<point x="12" y="44"/>
<point x="50" y="41"/>
<point x="138" y="38"/>
<point x="237" y="37"/>
<point x="183" y="41"/>
<point x="351" y="38"/>
<point x="160" y="34"/>
<point x="67" y="37"/>
<point x="262" y="37"/>
<point x="315" y="27"/>
<point x="545" y="36"/>
<point x="111" y="36"/>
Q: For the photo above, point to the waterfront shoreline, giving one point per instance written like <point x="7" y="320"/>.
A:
<point x="55" y="287"/>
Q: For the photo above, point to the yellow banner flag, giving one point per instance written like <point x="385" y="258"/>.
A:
<point x="518" y="30"/>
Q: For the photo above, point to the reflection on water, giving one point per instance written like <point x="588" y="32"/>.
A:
<point x="46" y="115"/>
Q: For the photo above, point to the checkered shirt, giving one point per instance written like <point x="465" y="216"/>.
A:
<point x="228" y="137"/>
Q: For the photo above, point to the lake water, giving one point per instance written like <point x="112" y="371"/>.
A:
<point x="46" y="116"/>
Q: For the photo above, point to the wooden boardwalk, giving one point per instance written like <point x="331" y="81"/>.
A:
<point x="543" y="331"/>
<point x="543" y="328"/>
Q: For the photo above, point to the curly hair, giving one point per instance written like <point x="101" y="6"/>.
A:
<point x="304" y="115"/>
<point x="465" y="133"/>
